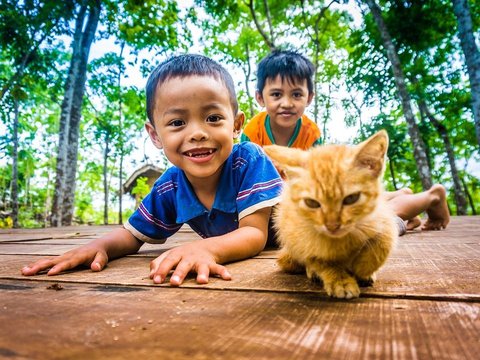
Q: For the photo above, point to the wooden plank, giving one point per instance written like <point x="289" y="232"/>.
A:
<point x="45" y="248"/>
<point x="415" y="278"/>
<point x="97" y="322"/>
<point x="425" y="304"/>
<point x="461" y="229"/>
<point x="435" y="268"/>
<point x="83" y="239"/>
<point x="7" y="235"/>
<point x="53" y="248"/>
<point x="57" y="245"/>
<point x="68" y="232"/>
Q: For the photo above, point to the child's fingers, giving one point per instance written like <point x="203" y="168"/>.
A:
<point x="221" y="271"/>
<point x="154" y="265"/>
<point x="99" y="262"/>
<point x="205" y="270"/>
<point x="181" y="271"/>
<point x="161" y="266"/>
<point x="38" y="266"/>
<point x="203" y="273"/>
<point x="67" y="262"/>
<point x="80" y="257"/>
<point x="61" y="266"/>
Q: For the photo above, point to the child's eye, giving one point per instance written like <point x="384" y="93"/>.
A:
<point x="214" y="118"/>
<point x="297" y="95"/>
<point x="176" y="123"/>
<point x="276" y="94"/>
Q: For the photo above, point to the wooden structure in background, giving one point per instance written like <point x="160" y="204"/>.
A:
<point x="424" y="305"/>
<point x="151" y="172"/>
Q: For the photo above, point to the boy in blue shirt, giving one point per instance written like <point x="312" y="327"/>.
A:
<point x="223" y="191"/>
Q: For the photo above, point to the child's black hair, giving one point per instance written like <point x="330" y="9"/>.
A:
<point x="183" y="66"/>
<point x="289" y="64"/>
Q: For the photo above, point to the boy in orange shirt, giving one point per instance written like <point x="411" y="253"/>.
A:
<point x="285" y="89"/>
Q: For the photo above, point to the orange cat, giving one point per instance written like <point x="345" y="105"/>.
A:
<point x="332" y="221"/>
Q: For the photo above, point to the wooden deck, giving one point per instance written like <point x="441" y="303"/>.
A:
<point x="424" y="305"/>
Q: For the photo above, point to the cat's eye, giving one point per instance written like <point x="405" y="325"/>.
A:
<point x="351" y="199"/>
<point x="312" y="204"/>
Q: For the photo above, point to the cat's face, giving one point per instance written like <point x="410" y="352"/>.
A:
<point x="333" y="187"/>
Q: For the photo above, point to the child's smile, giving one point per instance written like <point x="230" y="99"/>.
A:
<point x="284" y="101"/>
<point x="288" y="114"/>
<point x="200" y="155"/>
<point x="195" y="125"/>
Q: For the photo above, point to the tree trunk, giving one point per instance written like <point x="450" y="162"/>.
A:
<point x="472" y="56"/>
<point x="120" y="191"/>
<point x="419" y="152"/>
<point x="247" y="73"/>
<point x="120" y="114"/>
<point x="392" y="174"/>
<point x="60" y="179"/>
<point x="15" y="165"/>
<point x="79" y="90"/>
<point x="460" y="200"/>
<point x="62" y="207"/>
<point x="47" y="201"/>
<point x="269" y="40"/>
<point x="105" y="180"/>
<point x="315" y="38"/>
<point x="470" y="198"/>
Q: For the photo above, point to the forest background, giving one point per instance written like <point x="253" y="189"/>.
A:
<point x="72" y="103"/>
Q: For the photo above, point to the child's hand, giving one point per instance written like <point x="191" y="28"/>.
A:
<point x="94" y="257"/>
<point x="184" y="259"/>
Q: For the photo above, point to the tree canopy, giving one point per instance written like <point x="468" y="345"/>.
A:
<point x="72" y="114"/>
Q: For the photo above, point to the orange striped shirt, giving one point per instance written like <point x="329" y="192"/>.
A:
<point x="258" y="130"/>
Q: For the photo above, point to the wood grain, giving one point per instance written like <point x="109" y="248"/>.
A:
<point x="425" y="304"/>
<point x="97" y="321"/>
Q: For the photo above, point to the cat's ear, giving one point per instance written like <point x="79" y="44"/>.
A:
<point x="371" y="153"/>
<point x="288" y="161"/>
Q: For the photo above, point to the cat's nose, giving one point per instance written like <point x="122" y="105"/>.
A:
<point x="332" y="226"/>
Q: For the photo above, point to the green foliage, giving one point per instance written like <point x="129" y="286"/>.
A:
<point x="6" y="223"/>
<point x="147" y="24"/>
<point x="353" y="75"/>
<point x="141" y="187"/>
<point x="425" y="38"/>
<point x="420" y="24"/>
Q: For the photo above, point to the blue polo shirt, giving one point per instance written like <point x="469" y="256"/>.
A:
<point x="248" y="182"/>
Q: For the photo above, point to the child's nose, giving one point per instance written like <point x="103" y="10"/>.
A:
<point x="198" y="133"/>
<point x="287" y="101"/>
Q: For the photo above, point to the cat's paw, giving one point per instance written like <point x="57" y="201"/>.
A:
<point x="343" y="289"/>
<point x="366" y="282"/>
<point x="289" y="265"/>
<point x="314" y="277"/>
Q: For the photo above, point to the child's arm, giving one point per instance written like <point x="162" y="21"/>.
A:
<point x="205" y="256"/>
<point x="94" y="254"/>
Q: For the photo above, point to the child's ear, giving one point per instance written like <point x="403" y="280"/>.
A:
<point x="310" y="98"/>
<point x="259" y="98"/>
<point x="153" y="135"/>
<point x="238" y="124"/>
